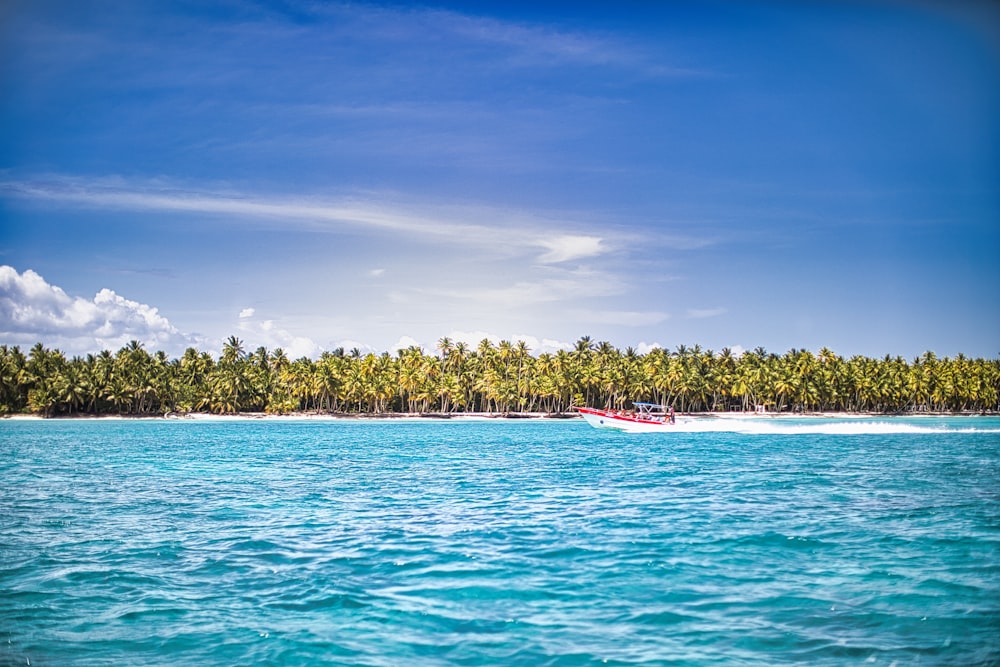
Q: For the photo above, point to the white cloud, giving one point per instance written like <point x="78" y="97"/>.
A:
<point x="32" y="310"/>
<point x="511" y="43"/>
<point x="646" y="348"/>
<point x="532" y="45"/>
<point x="523" y="44"/>
<point x="349" y="344"/>
<point x="298" y="346"/>
<point x="376" y="273"/>
<point x="567" y="247"/>
<point x="403" y="343"/>
<point x="560" y="286"/>
<point x="495" y="228"/>
<point x="265" y="333"/>
<point x="536" y="345"/>
<point x="542" y="346"/>
<point x="703" y="313"/>
<point x="518" y="294"/>
<point x="625" y="318"/>
<point x="473" y="338"/>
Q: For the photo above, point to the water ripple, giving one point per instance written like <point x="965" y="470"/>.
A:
<point x="530" y="543"/>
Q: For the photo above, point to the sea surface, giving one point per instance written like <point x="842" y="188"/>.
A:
<point x="541" y="542"/>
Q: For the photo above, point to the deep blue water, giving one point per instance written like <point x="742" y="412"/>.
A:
<point x="500" y="542"/>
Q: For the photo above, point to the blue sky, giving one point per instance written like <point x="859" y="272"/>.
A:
<point x="309" y="175"/>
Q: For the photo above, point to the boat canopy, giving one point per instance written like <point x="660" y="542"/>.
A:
<point x="650" y="408"/>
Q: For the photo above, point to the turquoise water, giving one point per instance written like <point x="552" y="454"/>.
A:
<point x="502" y="542"/>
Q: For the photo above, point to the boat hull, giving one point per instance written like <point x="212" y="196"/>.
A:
<point x="619" y="422"/>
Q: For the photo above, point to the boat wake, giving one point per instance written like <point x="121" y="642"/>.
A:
<point x="830" y="427"/>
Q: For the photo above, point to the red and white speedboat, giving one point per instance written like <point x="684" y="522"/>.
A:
<point x="646" y="418"/>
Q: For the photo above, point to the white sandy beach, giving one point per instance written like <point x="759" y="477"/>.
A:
<point x="466" y="416"/>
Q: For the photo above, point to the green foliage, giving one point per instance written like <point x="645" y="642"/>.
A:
<point x="490" y="378"/>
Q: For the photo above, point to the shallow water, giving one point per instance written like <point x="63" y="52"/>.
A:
<point x="825" y="542"/>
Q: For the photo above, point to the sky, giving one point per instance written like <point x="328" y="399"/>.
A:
<point x="314" y="175"/>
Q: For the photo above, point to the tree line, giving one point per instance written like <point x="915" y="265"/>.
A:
<point x="491" y="378"/>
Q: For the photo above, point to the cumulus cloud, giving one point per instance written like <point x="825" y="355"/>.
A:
<point x="542" y="345"/>
<point x="32" y="310"/>
<point x="473" y="338"/>
<point x="405" y="342"/>
<point x="266" y="333"/>
<point x="350" y="344"/>
<point x="535" y="345"/>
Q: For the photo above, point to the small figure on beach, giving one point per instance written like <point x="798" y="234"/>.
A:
<point x="673" y="418"/>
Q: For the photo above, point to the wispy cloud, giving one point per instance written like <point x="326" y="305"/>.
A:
<point x="533" y="45"/>
<point x="567" y="247"/>
<point x="495" y="227"/>
<point x="518" y="43"/>
<point x="625" y="318"/>
<point x="559" y="286"/>
<point x="703" y="313"/>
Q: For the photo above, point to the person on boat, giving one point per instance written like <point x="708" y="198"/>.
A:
<point x="673" y="418"/>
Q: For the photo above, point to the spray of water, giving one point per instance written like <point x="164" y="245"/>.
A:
<point x="819" y="426"/>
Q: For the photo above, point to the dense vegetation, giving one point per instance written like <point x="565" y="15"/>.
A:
<point x="490" y="378"/>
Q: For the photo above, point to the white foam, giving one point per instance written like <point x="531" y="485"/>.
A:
<point x="766" y="426"/>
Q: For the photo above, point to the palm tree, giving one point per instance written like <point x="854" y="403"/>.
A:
<point x="13" y="393"/>
<point x="501" y="377"/>
<point x="445" y="346"/>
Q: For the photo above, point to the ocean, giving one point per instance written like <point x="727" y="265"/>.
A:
<point x="500" y="542"/>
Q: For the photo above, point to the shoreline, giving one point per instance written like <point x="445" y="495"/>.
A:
<point x="475" y="416"/>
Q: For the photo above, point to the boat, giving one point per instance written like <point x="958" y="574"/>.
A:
<point x="645" y="418"/>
